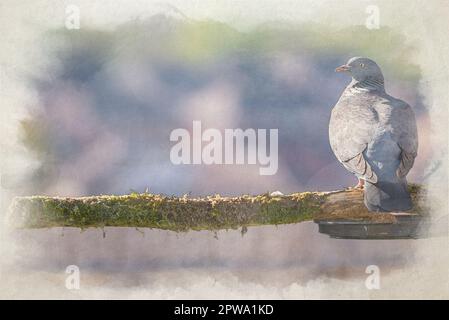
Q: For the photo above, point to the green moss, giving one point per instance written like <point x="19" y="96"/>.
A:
<point x="162" y="212"/>
<point x="183" y="213"/>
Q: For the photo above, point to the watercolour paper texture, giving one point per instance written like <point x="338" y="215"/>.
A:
<point x="189" y="99"/>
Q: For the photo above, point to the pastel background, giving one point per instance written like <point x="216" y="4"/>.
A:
<point x="90" y="111"/>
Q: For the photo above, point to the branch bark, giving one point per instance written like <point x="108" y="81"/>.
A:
<point x="185" y="213"/>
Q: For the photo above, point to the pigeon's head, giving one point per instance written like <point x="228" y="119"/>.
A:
<point x="362" y="69"/>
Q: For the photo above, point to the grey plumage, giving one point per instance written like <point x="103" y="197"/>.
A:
<point x="374" y="136"/>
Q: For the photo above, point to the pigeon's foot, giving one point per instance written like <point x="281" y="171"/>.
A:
<point x="359" y="186"/>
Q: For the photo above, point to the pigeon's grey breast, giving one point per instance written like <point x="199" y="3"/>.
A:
<point x="352" y="127"/>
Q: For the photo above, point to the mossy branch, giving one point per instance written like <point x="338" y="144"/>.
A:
<point x="184" y="213"/>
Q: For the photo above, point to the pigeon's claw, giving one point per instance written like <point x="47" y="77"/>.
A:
<point x="360" y="185"/>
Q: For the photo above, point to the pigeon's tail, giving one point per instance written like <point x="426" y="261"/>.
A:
<point x="387" y="196"/>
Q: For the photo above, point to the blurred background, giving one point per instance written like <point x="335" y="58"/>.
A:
<point x="108" y="100"/>
<point x="90" y="111"/>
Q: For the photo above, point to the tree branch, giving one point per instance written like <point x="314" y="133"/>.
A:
<point x="185" y="213"/>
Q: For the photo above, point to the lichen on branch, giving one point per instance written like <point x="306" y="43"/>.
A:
<point x="185" y="213"/>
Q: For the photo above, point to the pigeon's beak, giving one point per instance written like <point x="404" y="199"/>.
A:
<point x="343" y="68"/>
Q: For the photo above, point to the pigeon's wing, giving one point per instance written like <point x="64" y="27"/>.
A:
<point x="351" y="128"/>
<point x="405" y="134"/>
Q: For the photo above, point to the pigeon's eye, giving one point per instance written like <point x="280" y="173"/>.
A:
<point x="362" y="65"/>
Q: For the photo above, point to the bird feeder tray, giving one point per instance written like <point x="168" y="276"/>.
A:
<point x="406" y="226"/>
